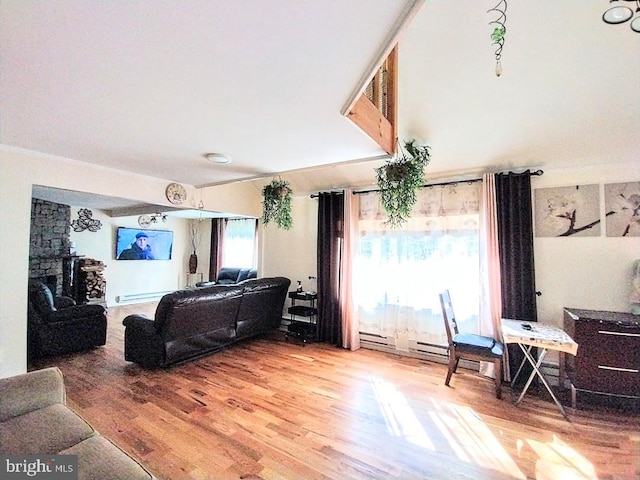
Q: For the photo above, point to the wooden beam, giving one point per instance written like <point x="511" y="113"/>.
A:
<point x="367" y="116"/>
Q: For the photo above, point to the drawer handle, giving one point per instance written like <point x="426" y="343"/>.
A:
<point x="629" y="370"/>
<point x="620" y="334"/>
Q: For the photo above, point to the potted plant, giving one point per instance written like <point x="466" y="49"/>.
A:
<point x="276" y="203"/>
<point x="399" y="179"/>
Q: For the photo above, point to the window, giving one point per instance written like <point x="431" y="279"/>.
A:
<point x="398" y="273"/>
<point x="240" y="243"/>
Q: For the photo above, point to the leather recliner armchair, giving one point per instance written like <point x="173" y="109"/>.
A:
<point x="57" y="325"/>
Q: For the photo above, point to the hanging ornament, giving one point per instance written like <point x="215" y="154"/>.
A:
<point x="498" y="33"/>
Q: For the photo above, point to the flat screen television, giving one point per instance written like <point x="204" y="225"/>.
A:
<point x="143" y="244"/>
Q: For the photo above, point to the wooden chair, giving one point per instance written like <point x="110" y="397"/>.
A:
<point x="468" y="345"/>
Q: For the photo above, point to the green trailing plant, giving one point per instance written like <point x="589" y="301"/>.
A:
<point x="276" y="203"/>
<point x="399" y="180"/>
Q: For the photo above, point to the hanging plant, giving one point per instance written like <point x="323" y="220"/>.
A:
<point x="399" y="179"/>
<point x="276" y="203"/>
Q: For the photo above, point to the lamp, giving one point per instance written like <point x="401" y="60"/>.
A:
<point x="621" y="14"/>
<point x="217" y="158"/>
<point x="158" y="216"/>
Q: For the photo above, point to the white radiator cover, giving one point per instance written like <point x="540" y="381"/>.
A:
<point x="437" y="353"/>
<point x="134" y="297"/>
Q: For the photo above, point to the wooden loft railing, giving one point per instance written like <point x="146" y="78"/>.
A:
<point x="375" y="111"/>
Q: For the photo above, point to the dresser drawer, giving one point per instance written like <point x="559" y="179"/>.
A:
<point x="602" y="377"/>
<point x="608" y="359"/>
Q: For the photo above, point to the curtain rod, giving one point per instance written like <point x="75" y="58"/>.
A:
<point x="316" y="195"/>
<point x="535" y="173"/>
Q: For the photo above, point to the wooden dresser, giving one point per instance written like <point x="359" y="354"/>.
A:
<point x="608" y="359"/>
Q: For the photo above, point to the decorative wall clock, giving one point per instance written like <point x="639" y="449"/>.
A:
<point x="144" y="221"/>
<point x="176" y="193"/>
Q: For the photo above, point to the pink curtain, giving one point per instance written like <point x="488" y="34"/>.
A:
<point x="350" y="326"/>
<point x="490" y="295"/>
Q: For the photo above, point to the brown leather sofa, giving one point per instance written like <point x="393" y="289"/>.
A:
<point x="228" y="275"/>
<point x="191" y="323"/>
<point x="56" y="325"/>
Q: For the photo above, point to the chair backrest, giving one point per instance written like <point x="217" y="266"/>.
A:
<point x="449" y="317"/>
<point x="41" y="298"/>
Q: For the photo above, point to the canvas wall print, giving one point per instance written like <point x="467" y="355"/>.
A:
<point x="622" y="209"/>
<point x="567" y="211"/>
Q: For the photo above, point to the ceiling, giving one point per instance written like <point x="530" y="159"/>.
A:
<point x="149" y="87"/>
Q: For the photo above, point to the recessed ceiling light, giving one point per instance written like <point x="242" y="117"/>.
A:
<point x="217" y="158"/>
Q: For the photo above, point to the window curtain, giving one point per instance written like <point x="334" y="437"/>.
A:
<point x="515" y="238"/>
<point x="399" y="272"/>
<point x="217" y="242"/>
<point x="490" y="294"/>
<point x="329" y="252"/>
<point x="350" y="327"/>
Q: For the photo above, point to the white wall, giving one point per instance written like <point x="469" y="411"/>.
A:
<point x="292" y="253"/>
<point x="579" y="272"/>
<point x="19" y="171"/>
<point x="585" y="272"/>
<point x="141" y="277"/>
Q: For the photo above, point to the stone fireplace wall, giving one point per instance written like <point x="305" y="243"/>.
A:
<point x="50" y="228"/>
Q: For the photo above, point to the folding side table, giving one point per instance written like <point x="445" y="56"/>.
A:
<point x="545" y="337"/>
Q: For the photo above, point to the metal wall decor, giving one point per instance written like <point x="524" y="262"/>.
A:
<point x="86" y="222"/>
<point x="499" y="31"/>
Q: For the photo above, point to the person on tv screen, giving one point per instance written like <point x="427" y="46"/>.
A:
<point x="139" y="249"/>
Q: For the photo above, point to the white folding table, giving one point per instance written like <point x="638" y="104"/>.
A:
<point x="544" y="337"/>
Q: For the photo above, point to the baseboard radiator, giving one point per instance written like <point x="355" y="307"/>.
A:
<point x="438" y="353"/>
<point x="137" y="297"/>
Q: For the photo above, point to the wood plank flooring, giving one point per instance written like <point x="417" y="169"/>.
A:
<point x="270" y="409"/>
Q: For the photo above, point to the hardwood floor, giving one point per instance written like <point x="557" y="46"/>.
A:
<point x="270" y="409"/>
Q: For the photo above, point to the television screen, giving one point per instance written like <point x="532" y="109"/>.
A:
<point x="143" y="244"/>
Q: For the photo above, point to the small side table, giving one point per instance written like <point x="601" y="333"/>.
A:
<point x="546" y="337"/>
<point x="193" y="278"/>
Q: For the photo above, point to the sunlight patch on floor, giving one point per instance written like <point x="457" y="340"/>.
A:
<point x="398" y="414"/>
<point x="462" y="430"/>
<point x="560" y="460"/>
<point x="471" y="439"/>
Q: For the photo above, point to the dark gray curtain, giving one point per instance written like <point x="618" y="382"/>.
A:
<point x="515" y="239"/>
<point x="330" y="223"/>
<point x="217" y="237"/>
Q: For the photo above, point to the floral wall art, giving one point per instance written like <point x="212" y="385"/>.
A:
<point x="567" y="211"/>
<point x="622" y="207"/>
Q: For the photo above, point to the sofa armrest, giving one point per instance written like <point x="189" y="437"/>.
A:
<point x="63" y="302"/>
<point x="141" y="323"/>
<point x="75" y="312"/>
<point x="30" y="391"/>
<point x="142" y="343"/>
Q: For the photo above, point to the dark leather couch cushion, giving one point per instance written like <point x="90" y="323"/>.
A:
<point x="228" y="275"/>
<point x="262" y="305"/>
<point x="41" y="298"/>
<point x="185" y="313"/>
